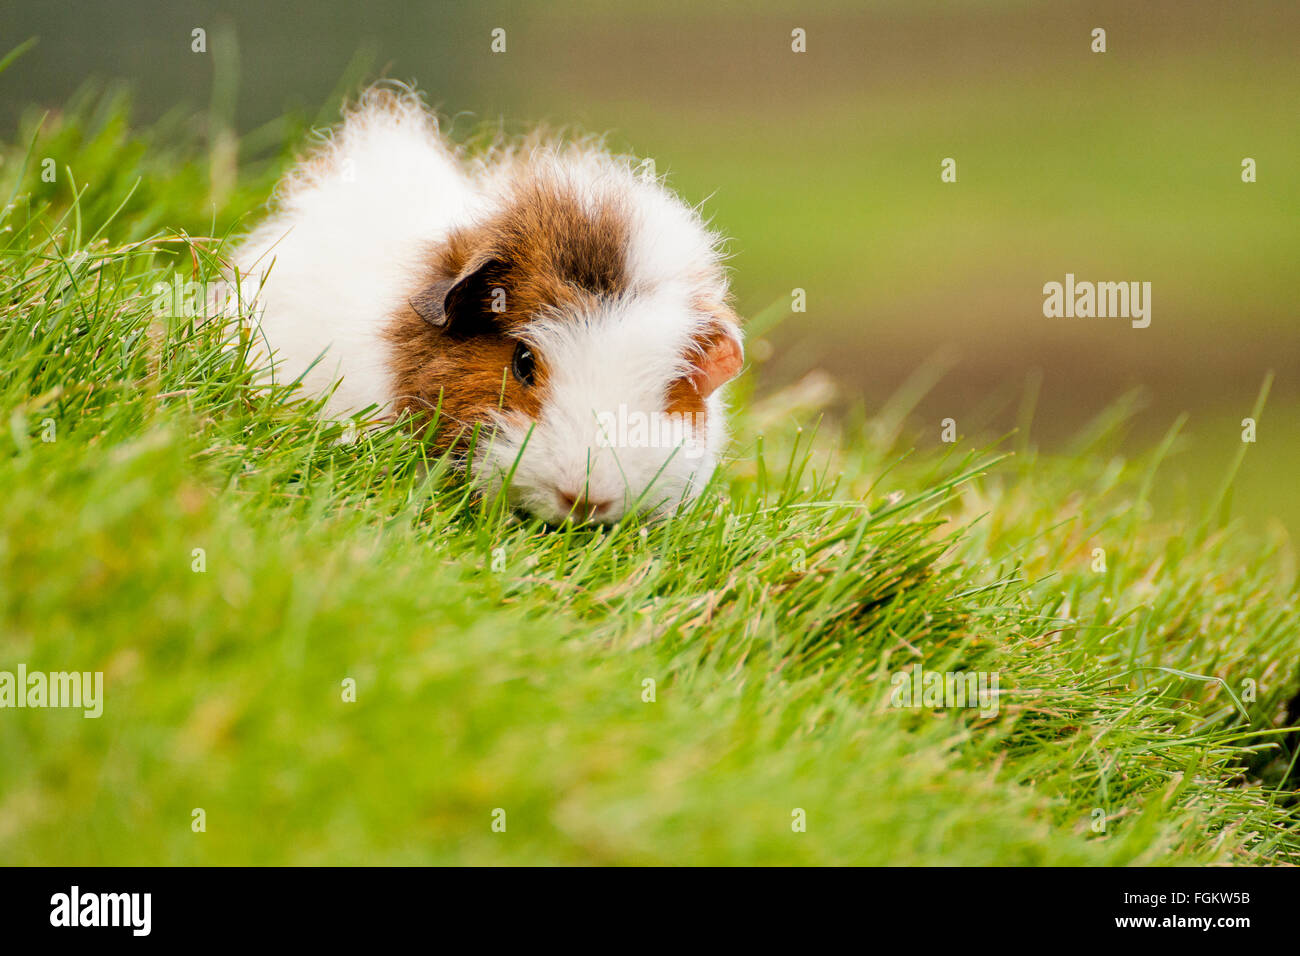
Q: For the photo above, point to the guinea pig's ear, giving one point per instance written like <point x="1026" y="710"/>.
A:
<point x="462" y="305"/>
<point x="716" y="354"/>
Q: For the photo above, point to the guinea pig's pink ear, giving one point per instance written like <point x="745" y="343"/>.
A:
<point x="716" y="354"/>
<point x="462" y="304"/>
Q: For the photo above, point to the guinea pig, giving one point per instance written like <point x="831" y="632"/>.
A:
<point x="557" y="313"/>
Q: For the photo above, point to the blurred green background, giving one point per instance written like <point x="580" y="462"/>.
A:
<point x="824" y="167"/>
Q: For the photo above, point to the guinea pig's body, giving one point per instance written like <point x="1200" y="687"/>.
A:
<point x="551" y="306"/>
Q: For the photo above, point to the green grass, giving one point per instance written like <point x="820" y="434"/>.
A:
<point x="502" y="665"/>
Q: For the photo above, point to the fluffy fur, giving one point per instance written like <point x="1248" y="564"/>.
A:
<point x="612" y="281"/>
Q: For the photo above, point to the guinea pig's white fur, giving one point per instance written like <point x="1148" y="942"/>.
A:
<point x="348" y="236"/>
<point x="327" y="269"/>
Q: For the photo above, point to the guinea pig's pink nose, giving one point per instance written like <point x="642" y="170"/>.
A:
<point x="580" y="505"/>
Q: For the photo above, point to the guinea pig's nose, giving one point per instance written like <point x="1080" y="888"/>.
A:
<point x="580" y="505"/>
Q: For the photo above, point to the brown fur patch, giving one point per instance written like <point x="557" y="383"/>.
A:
<point x="684" y="397"/>
<point x="546" y="251"/>
<point x="461" y="380"/>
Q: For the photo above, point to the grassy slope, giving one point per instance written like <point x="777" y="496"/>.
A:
<point x="502" y="666"/>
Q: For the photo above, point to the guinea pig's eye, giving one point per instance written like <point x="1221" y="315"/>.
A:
<point x="523" y="364"/>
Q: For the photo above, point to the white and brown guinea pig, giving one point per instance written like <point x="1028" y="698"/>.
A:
<point x="540" y="292"/>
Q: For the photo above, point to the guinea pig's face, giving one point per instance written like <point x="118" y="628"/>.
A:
<point x="626" y="419"/>
<point x="587" y="345"/>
